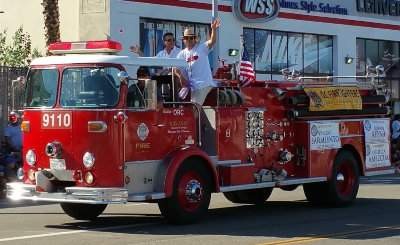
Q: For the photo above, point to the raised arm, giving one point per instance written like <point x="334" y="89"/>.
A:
<point x="213" y="38"/>
<point x="136" y="50"/>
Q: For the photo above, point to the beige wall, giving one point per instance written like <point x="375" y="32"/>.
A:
<point x="94" y="19"/>
<point x="25" y="13"/>
<point x="28" y="13"/>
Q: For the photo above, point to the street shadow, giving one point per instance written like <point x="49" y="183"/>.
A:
<point x="279" y="219"/>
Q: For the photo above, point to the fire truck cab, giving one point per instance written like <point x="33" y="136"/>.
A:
<point x="95" y="134"/>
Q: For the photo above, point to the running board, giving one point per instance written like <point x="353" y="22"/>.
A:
<point x="380" y="172"/>
<point x="292" y="181"/>
<point x="299" y="181"/>
<point x="146" y="196"/>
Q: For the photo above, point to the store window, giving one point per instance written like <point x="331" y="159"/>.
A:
<point x="152" y="31"/>
<point x="380" y="52"/>
<point x="310" y="54"/>
<point x="325" y="53"/>
<point x="279" y="51"/>
<point x="295" y="51"/>
<point x="272" y="51"/>
<point x="262" y="50"/>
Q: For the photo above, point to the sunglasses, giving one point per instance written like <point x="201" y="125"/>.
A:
<point x="189" y="38"/>
<point x="168" y="40"/>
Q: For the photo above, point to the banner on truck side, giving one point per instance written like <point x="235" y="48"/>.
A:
<point x="334" y="98"/>
<point x="324" y="135"/>
<point x="377" y="155"/>
<point x="376" y="130"/>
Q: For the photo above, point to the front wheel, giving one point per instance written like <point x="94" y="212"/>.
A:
<point x="191" y="195"/>
<point x="81" y="211"/>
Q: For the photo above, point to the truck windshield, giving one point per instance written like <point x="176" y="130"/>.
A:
<point x="41" y="88"/>
<point x="90" y="87"/>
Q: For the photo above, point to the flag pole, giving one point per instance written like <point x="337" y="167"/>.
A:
<point x="215" y="57"/>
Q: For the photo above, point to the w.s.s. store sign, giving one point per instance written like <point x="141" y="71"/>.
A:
<point x="256" y="10"/>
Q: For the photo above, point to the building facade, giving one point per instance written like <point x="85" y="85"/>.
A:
<point x="318" y="37"/>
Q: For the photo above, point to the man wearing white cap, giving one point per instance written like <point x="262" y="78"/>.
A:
<point x="197" y="75"/>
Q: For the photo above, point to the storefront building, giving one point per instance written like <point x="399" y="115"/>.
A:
<point x="315" y="37"/>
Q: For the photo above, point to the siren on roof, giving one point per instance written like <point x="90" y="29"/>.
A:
<point x="88" y="47"/>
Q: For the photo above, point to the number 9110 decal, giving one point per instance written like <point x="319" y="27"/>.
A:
<point x="56" y="120"/>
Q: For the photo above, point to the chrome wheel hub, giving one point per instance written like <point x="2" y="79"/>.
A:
<point x="194" y="191"/>
<point x="340" y="177"/>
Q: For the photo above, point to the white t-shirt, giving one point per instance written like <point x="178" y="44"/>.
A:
<point x="164" y="54"/>
<point x="198" y="70"/>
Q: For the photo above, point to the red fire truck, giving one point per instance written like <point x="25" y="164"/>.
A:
<point x="97" y="134"/>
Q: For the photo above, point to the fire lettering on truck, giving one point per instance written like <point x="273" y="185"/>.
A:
<point x="143" y="146"/>
<point x="256" y="10"/>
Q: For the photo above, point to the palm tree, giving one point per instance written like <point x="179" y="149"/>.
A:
<point x="51" y="21"/>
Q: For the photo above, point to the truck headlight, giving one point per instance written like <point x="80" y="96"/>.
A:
<point x="30" y="157"/>
<point x="88" y="160"/>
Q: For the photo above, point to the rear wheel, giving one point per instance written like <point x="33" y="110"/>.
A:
<point x="191" y="195"/>
<point x="83" y="211"/>
<point x="343" y="186"/>
<point x="255" y="196"/>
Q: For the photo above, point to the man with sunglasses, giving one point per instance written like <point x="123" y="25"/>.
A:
<point x="197" y="75"/>
<point x="169" y="51"/>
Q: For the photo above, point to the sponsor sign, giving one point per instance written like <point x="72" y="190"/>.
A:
<point x="314" y="6"/>
<point x="377" y="143"/>
<point x="379" y="7"/>
<point x="376" y="131"/>
<point x="334" y="98"/>
<point x="256" y="10"/>
<point x="377" y="155"/>
<point x="324" y="135"/>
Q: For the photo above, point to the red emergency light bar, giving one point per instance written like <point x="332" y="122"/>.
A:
<point x="89" y="47"/>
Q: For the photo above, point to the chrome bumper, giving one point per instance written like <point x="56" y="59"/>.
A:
<point x="20" y="191"/>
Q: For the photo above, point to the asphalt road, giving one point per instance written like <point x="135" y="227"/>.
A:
<point x="285" y="219"/>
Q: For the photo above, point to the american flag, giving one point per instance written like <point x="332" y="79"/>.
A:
<point x="246" y="71"/>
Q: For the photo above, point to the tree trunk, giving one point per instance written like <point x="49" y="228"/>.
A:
<point x="51" y="21"/>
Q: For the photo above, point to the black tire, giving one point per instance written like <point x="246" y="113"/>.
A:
<point x="342" y="188"/>
<point x="183" y="207"/>
<point x="3" y="187"/>
<point x="255" y="196"/>
<point x="344" y="191"/>
<point x="289" y="187"/>
<point x="81" y="211"/>
<point x="316" y="193"/>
